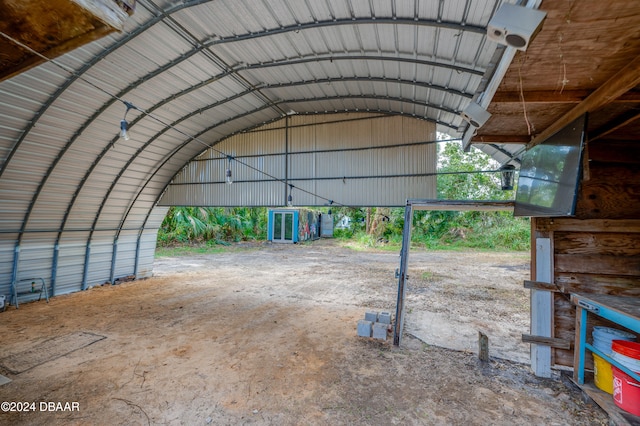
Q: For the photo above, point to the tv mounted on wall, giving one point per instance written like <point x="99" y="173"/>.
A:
<point x="550" y="174"/>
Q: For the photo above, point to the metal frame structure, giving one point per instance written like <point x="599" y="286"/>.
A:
<point x="401" y="273"/>
<point x="195" y="83"/>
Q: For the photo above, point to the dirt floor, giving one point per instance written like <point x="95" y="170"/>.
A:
<point x="266" y="334"/>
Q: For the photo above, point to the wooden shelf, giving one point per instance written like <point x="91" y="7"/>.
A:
<point x="624" y="311"/>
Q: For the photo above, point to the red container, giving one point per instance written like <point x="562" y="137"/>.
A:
<point x="626" y="348"/>
<point x="626" y="391"/>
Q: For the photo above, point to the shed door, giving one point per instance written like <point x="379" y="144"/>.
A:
<point x="283" y="227"/>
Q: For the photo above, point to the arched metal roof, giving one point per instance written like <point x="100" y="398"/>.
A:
<point x="197" y="72"/>
<point x="78" y="204"/>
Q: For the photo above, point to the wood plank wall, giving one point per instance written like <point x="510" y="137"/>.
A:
<point x="598" y="250"/>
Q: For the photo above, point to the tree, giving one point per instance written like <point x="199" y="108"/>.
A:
<point x="458" y="178"/>
<point x="199" y="224"/>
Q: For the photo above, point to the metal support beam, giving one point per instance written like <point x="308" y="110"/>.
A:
<point x="402" y="273"/>
<point x="136" y="265"/>
<point x="87" y="258"/>
<point x="426" y="204"/>
<point x="54" y="267"/>
<point x="492" y="87"/>
<point x="14" y="271"/>
<point x="114" y="255"/>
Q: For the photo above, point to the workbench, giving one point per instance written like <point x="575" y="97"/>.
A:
<point x="624" y="311"/>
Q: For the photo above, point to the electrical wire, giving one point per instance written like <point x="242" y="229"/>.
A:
<point x="129" y="105"/>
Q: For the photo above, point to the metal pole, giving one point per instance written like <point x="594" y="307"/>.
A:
<point x="402" y="273"/>
<point x="136" y="265"/>
<point x="113" y="262"/>
<point x="85" y="271"/>
<point x="286" y="160"/>
<point x="14" y="274"/>
<point x="54" y="269"/>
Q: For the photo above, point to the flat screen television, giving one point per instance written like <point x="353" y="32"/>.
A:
<point x="550" y="174"/>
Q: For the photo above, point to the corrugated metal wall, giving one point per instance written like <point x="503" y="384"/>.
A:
<point x="352" y="159"/>
<point x="77" y="203"/>
<point x="81" y="258"/>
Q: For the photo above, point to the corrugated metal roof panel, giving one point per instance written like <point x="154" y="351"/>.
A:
<point x="67" y="154"/>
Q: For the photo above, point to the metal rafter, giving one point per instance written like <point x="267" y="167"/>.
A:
<point x="184" y="57"/>
<point x="203" y="48"/>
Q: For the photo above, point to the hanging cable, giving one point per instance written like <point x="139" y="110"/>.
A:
<point x="124" y="128"/>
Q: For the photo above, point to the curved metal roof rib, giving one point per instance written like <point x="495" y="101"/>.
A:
<point x="196" y="73"/>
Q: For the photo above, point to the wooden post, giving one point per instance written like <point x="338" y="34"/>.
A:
<point x="483" y="346"/>
<point x="542" y="309"/>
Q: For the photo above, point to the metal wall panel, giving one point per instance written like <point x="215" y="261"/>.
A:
<point x="126" y="255"/>
<point x="7" y="253"/>
<point x="352" y="159"/>
<point x="148" y="241"/>
<point x="71" y="260"/>
<point x="100" y="258"/>
<point x="35" y="259"/>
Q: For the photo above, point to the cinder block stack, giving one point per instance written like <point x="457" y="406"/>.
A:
<point x="374" y="324"/>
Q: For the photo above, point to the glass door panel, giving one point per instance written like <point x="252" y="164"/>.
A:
<point x="277" y="226"/>
<point x="288" y="226"/>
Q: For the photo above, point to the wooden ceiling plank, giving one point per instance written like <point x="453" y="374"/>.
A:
<point x="549" y="97"/>
<point x="623" y="81"/>
<point x="545" y="96"/>
<point x="502" y="139"/>
<point x="615" y="124"/>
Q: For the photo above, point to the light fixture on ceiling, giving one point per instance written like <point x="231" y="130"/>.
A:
<point x="507" y="173"/>
<point x="475" y="115"/>
<point x="329" y="203"/>
<point x="228" y="175"/>
<point x="290" y="197"/>
<point x="124" y="125"/>
<point x="514" y="25"/>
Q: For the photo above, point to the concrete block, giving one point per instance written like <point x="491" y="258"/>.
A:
<point x="380" y="331"/>
<point x="371" y="316"/>
<point x="364" y="328"/>
<point x="384" y="318"/>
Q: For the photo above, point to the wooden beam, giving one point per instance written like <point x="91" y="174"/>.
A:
<point x="550" y="97"/>
<point x="614" y="151"/>
<point x="502" y="139"/>
<point x="537" y="285"/>
<point x="541" y="96"/>
<point x="547" y="341"/>
<point x="619" y="122"/>
<point x="623" y="81"/>
<point x="588" y="225"/>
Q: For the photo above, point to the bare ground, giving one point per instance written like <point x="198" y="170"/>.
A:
<point x="266" y="334"/>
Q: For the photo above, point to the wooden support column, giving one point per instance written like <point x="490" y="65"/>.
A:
<point x="542" y="309"/>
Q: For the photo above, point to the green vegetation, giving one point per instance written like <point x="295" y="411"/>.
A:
<point x="208" y="228"/>
<point x="212" y="225"/>
<point x="446" y="230"/>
